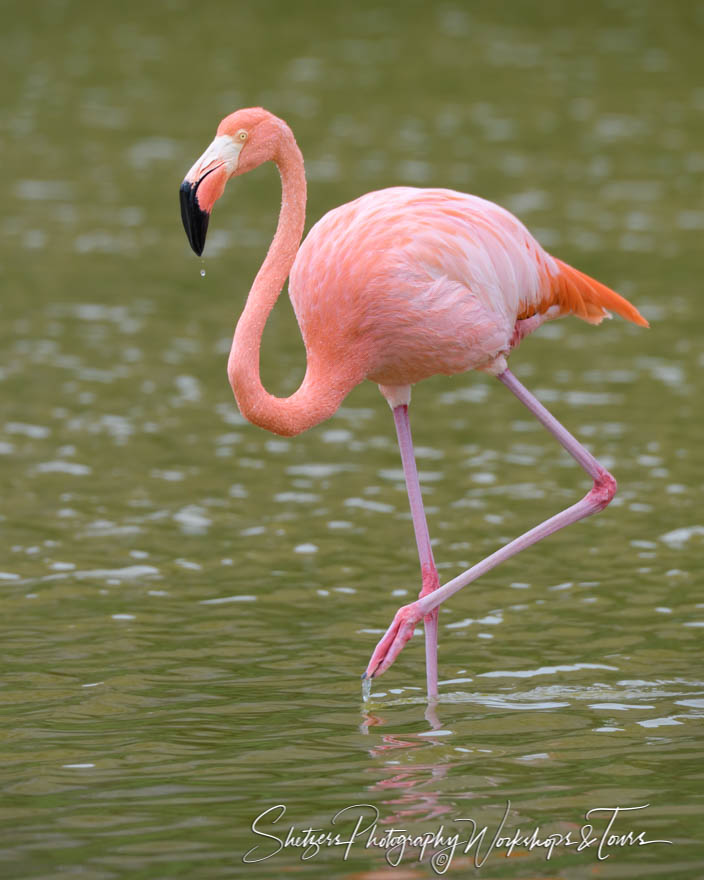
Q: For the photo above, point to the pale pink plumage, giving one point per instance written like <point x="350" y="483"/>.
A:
<point x="425" y="281"/>
<point x="396" y="286"/>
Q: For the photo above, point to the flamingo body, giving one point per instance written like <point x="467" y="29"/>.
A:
<point x="417" y="282"/>
<point x="396" y="286"/>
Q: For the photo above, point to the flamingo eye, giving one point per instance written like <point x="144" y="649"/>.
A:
<point x="242" y="135"/>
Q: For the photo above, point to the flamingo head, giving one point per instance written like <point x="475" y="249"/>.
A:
<point x="244" y="140"/>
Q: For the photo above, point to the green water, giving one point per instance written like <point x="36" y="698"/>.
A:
<point x="188" y="602"/>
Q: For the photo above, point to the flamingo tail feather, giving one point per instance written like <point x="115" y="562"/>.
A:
<point x="587" y="298"/>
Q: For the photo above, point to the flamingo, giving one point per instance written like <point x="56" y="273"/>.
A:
<point x="396" y="286"/>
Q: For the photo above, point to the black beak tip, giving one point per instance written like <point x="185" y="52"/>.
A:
<point x="195" y="220"/>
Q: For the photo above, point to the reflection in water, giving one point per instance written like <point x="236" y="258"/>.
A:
<point x="414" y="797"/>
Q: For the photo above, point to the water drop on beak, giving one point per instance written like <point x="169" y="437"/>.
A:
<point x="366" y="689"/>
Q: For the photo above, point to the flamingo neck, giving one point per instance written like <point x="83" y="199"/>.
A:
<point x="316" y="399"/>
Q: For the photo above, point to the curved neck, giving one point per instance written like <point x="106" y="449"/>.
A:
<point x="315" y="400"/>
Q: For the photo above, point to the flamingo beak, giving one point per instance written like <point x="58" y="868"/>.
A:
<point x="195" y="219"/>
<point x="203" y="186"/>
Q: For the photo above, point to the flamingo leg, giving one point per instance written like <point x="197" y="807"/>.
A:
<point x="596" y="499"/>
<point x="429" y="572"/>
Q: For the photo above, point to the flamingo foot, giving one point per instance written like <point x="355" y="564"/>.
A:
<point x="392" y="642"/>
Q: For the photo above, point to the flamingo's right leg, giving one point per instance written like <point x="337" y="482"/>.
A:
<point x="596" y="499"/>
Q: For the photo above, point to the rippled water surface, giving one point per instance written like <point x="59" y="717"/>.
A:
<point x="188" y="601"/>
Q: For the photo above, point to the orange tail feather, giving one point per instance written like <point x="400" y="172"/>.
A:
<point x="590" y="300"/>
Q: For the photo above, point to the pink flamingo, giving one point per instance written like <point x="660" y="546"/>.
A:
<point x="396" y="286"/>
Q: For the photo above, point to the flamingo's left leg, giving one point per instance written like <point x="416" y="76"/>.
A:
<point x="398" y="398"/>
<point x="596" y="499"/>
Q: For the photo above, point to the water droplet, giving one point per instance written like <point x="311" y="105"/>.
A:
<point x="366" y="689"/>
<point x="202" y="273"/>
